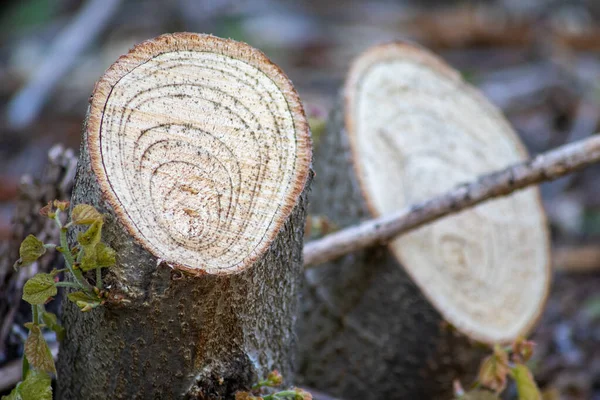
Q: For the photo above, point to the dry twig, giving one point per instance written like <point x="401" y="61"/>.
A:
<point x="577" y="259"/>
<point x="544" y="167"/>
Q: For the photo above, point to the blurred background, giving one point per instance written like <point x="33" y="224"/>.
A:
<point x="537" y="60"/>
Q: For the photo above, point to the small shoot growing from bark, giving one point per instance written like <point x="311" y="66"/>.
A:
<point x="273" y="380"/>
<point x="503" y="363"/>
<point x="31" y="249"/>
<point x="90" y="254"/>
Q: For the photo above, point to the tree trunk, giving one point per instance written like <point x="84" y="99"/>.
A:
<point x="366" y="331"/>
<point x="379" y="323"/>
<point x="197" y="151"/>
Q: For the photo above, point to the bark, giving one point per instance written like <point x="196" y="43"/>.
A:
<point x="366" y="330"/>
<point x="374" y="325"/>
<point x="203" y="334"/>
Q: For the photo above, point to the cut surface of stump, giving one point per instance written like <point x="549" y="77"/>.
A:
<point x="417" y="130"/>
<point x="378" y="323"/>
<point x="197" y="151"/>
<point x="201" y="149"/>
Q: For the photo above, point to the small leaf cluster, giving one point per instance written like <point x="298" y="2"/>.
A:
<point x="90" y="254"/>
<point x="35" y="386"/>
<point x="273" y="380"/>
<point x="495" y="370"/>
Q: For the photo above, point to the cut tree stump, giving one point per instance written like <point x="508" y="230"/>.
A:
<point x="198" y="152"/>
<point x="401" y="321"/>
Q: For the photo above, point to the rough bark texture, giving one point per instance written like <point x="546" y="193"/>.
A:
<point x="366" y="330"/>
<point x="198" y="151"/>
<point x="180" y="336"/>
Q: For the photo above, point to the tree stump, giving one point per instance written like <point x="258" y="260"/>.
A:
<point x="198" y="152"/>
<point x="399" y="321"/>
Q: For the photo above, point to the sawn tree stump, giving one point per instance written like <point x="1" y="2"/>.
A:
<point x="197" y="150"/>
<point x="399" y="321"/>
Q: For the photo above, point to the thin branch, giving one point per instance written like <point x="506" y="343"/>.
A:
<point x="577" y="259"/>
<point x="545" y="167"/>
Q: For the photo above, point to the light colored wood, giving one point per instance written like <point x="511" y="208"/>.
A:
<point x="544" y="167"/>
<point x="416" y="130"/>
<point x="242" y="149"/>
<point x="197" y="151"/>
<point x="376" y="323"/>
<point x="366" y="331"/>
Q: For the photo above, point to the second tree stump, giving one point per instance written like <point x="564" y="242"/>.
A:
<point x="398" y="321"/>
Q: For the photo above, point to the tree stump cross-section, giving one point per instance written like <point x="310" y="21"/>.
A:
<point x="399" y="321"/>
<point x="198" y="152"/>
<point x="419" y="130"/>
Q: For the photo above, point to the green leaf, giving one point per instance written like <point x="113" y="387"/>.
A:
<point x="24" y="366"/>
<point x="14" y="394"/>
<point x="39" y="289"/>
<point x="526" y="386"/>
<point x="52" y="323"/>
<point x="479" y="394"/>
<point x="92" y="236"/>
<point x="291" y="394"/>
<point x="31" y="249"/>
<point x="37" y="386"/>
<point x="88" y="261"/>
<point x="79" y="296"/>
<point x="105" y="256"/>
<point x="61" y="205"/>
<point x="84" y="214"/>
<point x="98" y="256"/>
<point x="494" y="370"/>
<point x="37" y="351"/>
<point x="84" y="301"/>
<point x="274" y="379"/>
<point x="49" y="319"/>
